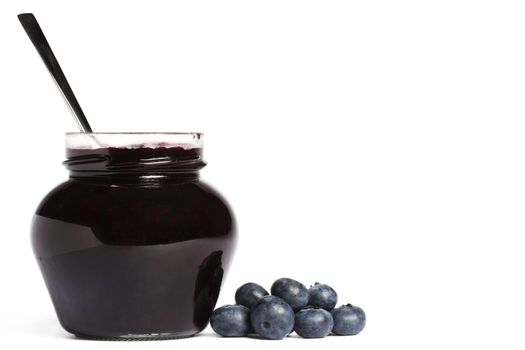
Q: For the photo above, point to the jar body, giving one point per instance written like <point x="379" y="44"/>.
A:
<point x="133" y="259"/>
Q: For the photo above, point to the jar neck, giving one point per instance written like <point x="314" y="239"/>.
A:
<point x="142" y="164"/>
<point x="134" y="180"/>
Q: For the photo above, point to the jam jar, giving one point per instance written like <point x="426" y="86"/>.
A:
<point x="133" y="245"/>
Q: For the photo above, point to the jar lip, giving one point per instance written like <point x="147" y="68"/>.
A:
<point x="137" y="133"/>
<point x="98" y="140"/>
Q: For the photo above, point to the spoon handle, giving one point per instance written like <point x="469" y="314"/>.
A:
<point x="38" y="39"/>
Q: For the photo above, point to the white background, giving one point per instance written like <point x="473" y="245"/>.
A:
<point x="376" y="146"/>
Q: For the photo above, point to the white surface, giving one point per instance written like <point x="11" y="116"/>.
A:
<point x="376" y="146"/>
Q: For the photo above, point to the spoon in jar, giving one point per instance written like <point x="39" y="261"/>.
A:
<point x="38" y="39"/>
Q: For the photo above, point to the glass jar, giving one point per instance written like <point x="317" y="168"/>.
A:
<point x="134" y="245"/>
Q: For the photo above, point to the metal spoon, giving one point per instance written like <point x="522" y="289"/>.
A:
<point x="38" y="39"/>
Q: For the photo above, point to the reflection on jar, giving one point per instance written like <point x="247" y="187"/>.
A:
<point x="207" y="288"/>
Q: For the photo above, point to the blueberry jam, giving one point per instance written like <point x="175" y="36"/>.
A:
<point x="134" y="245"/>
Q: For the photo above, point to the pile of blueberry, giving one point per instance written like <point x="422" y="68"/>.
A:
<point x="291" y="307"/>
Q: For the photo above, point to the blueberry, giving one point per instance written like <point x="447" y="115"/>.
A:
<point x="313" y="323"/>
<point x="249" y="294"/>
<point x="231" y="321"/>
<point x="322" y="296"/>
<point x="291" y="291"/>
<point x="348" y="320"/>
<point x="272" y="318"/>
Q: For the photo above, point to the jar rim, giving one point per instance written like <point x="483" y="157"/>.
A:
<point x="136" y="133"/>
<point x="97" y="140"/>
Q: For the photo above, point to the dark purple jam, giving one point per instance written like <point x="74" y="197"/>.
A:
<point x="134" y="245"/>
